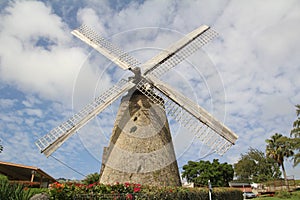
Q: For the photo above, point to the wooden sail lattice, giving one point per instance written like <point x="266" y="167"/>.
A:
<point x="196" y="119"/>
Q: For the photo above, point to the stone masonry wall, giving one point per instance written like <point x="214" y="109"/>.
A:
<point x="140" y="148"/>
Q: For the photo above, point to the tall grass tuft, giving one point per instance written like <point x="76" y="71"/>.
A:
<point x="14" y="191"/>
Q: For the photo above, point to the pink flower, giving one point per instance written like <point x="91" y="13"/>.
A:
<point x="127" y="184"/>
<point x="136" y="189"/>
<point x="129" y="196"/>
<point x="91" y="185"/>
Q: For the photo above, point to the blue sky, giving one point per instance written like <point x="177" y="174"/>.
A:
<point x="248" y="77"/>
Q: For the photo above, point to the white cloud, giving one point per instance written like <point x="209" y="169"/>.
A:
<point x="46" y="24"/>
<point x="33" y="112"/>
<point x="47" y="62"/>
<point x="89" y="17"/>
<point x="7" y="103"/>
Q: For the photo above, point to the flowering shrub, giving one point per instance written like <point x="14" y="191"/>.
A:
<point x="72" y="190"/>
<point x="130" y="191"/>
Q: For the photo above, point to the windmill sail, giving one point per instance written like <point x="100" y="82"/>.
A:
<point x="175" y="54"/>
<point x="109" y="50"/>
<point x="195" y="118"/>
<point x="159" y="64"/>
<point x="56" y="137"/>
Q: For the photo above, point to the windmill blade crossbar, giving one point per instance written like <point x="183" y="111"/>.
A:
<point x="211" y="132"/>
<point x="109" y="50"/>
<point x="54" y="139"/>
<point x="195" y="118"/>
<point x="185" y="47"/>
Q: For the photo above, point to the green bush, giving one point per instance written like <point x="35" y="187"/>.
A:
<point x="38" y="190"/>
<point x="92" y="191"/>
<point x="191" y="193"/>
<point x="14" y="191"/>
<point x="136" y="191"/>
<point x="283" y="194"/>
<point x="227" y="193"/>
<point x="91" y="178"/>
<point x="3" y="178"/>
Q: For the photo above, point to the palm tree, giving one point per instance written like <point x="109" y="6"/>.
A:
<point x="1" y="147"/>
<point x="278" y="148"/>
<point x="296" y="133"/>
<point x="296" y="126"/>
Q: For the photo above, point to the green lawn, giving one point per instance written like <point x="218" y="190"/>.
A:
<point x="295" y="196"/>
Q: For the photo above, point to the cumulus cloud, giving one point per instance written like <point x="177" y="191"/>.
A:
<point x="89" y="17"/>
<point x="37" y="54"/>
<point x="257" y="59"/>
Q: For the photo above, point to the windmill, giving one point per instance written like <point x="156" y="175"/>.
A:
<point x="141" y="148"/>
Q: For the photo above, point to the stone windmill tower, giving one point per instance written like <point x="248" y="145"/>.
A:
<point x="140" y="148"/>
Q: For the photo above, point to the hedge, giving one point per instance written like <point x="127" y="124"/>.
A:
<point x="126" y="191"/>
<point x="137" y="192"/>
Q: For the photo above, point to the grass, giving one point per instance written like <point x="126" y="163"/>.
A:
<point x="295" y="196"/>
<point x="10" y="191"/>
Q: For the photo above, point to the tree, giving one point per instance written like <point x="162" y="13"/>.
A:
<point x="91" y="178"/>
<point x="295" y="132"/>
<point x="256" y="166"/>
<point x="296" y="125"/>
<point x="296" y="148"/>
<point x="1" y="147"/>
<point x="278" y="148"/>
<point x="219" y="174"/>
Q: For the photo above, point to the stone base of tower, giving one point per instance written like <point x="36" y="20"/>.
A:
<point x="167" y="176"/>
<point x="140" y="149"/>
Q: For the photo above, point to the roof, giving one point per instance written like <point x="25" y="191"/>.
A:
<point x="22" y="172"/>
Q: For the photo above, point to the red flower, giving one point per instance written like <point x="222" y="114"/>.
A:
<point x="129" y="196"/>
<point x="127" y="184"/>
<point x="136" y="189"/>
<point x="91" y="185"/>
<point x="78" y="185"/>
<point x="57" y="185"/>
